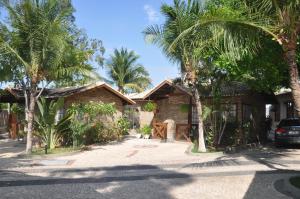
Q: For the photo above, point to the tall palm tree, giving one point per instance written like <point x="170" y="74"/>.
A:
<point x="32" y="46"/>
<point x="124" y="71"/>
<point x="239" y="31"/>
<point x="179" y="17"/>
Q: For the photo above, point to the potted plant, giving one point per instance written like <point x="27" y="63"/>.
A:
<point x="146" y="131"/>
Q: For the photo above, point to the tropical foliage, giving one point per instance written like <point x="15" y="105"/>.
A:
<point x="179" y="17"/>
<point x="124" y="71"/>
<point x="48" y="127"/>
<point x="35" y="43"/>
<point x="239" y="29"/>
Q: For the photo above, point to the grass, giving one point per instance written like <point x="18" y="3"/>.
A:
<point x="295" y="181"/>
<point x="60" y="150"/>
<point x="208" y="150"/>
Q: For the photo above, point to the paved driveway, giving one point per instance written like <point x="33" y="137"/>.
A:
<point x="150" y="169"/>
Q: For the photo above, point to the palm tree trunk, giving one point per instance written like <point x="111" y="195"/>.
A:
<point x="290" y="57"/>
<point x="30" y="117"/>
<point x="201" y="140"/>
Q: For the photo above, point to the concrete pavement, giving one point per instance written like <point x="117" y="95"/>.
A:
<point x="149" y="169"/>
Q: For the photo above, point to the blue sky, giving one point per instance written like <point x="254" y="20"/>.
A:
<point x="119" y="23"/>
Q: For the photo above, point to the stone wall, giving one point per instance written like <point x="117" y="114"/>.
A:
<point x="97" y="95"/>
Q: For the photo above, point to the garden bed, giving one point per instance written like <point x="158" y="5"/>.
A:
<point x="55" y="151"/>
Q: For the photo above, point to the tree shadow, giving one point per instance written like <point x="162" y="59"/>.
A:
<point x="277" y="161"/>
<point x="136" y="181"/>
<point x="271" y="157"/>
<point x="264" y="183"/>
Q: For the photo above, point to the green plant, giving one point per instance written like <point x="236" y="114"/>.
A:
<point x="48" y="129"/>
<point x="3" y="106"/>
<point x="18" y="110"/>
<point x="195" y="146"/>
<point x="109" y="132"/>
<point x="123" y="125"/>
<point x="86" y="129"/>
<point x="78" y="130"/>
<point x="184" y="108"/>
<point x="38" y="46"/>
<point x="150" y="107"/>
<point x="146" y="130"/>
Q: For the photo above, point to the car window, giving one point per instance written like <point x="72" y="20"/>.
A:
<point x="289" y="123"/>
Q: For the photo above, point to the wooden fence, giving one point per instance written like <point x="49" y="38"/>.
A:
<point x="3" y="118"/>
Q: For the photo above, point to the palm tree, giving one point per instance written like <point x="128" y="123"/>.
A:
<point x="240" y="30"/>
<point x="124" y="71"/>
<point x="179" y="17"/>
<point x="32" y="47"/>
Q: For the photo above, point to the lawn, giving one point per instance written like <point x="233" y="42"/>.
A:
<point x="295" y="181"/>
<point x="60" y="150"/>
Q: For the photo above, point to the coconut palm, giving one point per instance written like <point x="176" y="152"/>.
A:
<point x="239" y="31"/>
<point x="32" y="45"/>
<point x="179" y="17"/>
<point x="124" y="71"/>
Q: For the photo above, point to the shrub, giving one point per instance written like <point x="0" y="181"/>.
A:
<point x="146" y="130"/>
<point x="85" y="128"/>
<point x="108" y="133"/>
<point x="91" y="135"/>
<point x="150" y="107"/>
<point x="123" y="125"/>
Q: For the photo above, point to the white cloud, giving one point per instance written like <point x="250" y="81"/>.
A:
<point x="151" y="13"/>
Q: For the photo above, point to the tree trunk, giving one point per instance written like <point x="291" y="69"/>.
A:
<point x="30" y="117"/>
<point x="201" y="139"/>
<point x="290" y="57"/>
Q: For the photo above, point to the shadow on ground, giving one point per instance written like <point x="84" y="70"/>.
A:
<point x="262" y="185"/>
<point x="156" y="184"/>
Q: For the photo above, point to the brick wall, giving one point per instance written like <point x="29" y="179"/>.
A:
<point x="170" y="109"/>
<point x="97" y="95"/>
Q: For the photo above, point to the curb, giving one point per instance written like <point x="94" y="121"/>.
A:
<point x="188" y="151"/>
<point x="284" y="187"/>
<point x="291" y="188"/>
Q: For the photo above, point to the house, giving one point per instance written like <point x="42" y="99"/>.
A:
<point x="284" y="108"/>
<point x="176" y="115"/>
<point x="96" y="92"/>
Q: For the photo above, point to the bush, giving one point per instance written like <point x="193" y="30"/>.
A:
<point x="146" y="130"/>
<point x="123" y="125"/>
<point x="108" y="133"/>
<point x="150" y="107"/>
<point x="91" y="135"/>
